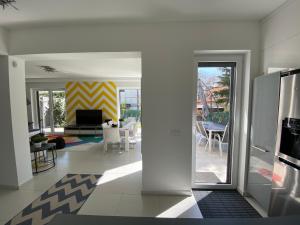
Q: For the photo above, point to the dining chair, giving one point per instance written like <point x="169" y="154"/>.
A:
<point x="223" y="140"/>
<point x="133" y="128"/>
<point x="203" y="135"/>
<point x="111" y="135"/>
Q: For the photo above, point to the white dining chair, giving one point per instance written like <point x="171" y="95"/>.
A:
<point x="133" y="128"/>
<point x="223" y="140"/>
<point x="111" y="135"/>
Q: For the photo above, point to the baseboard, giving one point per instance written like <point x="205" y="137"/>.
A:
<point x="9" y="187"/>
<point x="242" y="192"/>
<point x="173" y="192"/>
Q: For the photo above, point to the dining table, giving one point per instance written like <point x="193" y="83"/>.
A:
<point x="211" y="128"/>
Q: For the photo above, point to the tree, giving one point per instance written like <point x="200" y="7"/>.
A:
<point x="59" y="109"/>
<point x="223" y="94"/>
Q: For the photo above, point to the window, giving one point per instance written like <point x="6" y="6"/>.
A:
<point x="130" y="103"/>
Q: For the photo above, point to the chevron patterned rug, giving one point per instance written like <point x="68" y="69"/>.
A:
<point x="67" y="196"/>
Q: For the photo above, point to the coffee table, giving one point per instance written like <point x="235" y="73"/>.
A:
<point x="48" y="164"/>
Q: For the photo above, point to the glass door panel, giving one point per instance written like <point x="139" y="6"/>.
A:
<point x="59" y="112"/>
<point x="44" y="111"/>
<point x="213" y="123"/>
<point x="130" y="103"/>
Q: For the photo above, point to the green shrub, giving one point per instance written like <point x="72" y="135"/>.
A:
<point x="219" y="117"/>
<point x="131" y="113"/>
<point x="38" y="139"/>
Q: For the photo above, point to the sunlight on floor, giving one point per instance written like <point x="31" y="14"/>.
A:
<point x="179" y="208"/>
<point x="210" y="166"/>
<point x="119" y="172"/>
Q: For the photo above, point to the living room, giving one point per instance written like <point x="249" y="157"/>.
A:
<point x="60" y="87"/>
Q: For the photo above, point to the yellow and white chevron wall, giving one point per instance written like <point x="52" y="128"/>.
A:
<point x="91" y="95"/>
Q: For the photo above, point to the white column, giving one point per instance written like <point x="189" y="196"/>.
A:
<point x="15" y="161"/>
<point x="167" y="121"/>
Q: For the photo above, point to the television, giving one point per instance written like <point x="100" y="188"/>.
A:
<point x="89" y="117"/>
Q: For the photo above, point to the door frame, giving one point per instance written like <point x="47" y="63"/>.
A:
<point x="235" y="118"/>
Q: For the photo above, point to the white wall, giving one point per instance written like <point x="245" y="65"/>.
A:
<point x="8" y="170"/>
<point x="3" y="41"/>
<point x="15" y="165"/>
<point x="19" y="119"/>
<point x="167" y="69"/>
<point x="281" y="38"/>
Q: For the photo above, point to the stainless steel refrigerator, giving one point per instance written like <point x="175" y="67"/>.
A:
<point x="285" y="197"/>
<point x="265" y="103"/>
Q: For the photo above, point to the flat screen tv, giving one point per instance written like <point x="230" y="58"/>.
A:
<point x="89" y="117"/>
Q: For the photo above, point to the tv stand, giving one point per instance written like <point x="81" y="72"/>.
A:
<point x="83" y="130"/>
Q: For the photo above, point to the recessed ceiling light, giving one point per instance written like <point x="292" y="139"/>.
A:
<point x="48" y="69"/>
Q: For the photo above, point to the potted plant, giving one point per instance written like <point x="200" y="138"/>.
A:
<point x="38" y="140"/>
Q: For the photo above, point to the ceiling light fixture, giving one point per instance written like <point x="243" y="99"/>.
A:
<point x="7" y="3"/>
<point x="48" y="69"/>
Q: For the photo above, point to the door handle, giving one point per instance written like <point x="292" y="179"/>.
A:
<point x="260" y="149"/>
<point x="289" y="163"/>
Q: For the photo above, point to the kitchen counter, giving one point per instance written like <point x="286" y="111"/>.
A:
<point x="62" y="219"/>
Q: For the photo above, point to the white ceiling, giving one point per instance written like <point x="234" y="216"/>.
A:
<point x="41" y="12"/>
<point x="85" y="65"/>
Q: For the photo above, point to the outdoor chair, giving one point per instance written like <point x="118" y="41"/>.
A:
<point x="203" y="135"/>
<point x="223" y="139"/>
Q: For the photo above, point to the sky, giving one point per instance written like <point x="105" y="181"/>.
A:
<point x="209" y="71"/>
<point x="209" y="75"/>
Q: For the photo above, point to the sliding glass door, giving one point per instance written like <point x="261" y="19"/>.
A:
<point x="51" y="110"/>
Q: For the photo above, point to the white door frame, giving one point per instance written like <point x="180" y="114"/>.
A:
<point x="236" y="117"/>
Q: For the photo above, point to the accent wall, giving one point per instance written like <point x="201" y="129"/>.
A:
<point x="91" y="95"/>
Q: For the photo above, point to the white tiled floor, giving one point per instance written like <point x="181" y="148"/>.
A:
<point x="118" y="192"/>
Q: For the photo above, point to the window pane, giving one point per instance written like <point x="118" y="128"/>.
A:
<point x="59" y="113"/>
<point x="45" y="114"/>
<point x="130" y="103"/>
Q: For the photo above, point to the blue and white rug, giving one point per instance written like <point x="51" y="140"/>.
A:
<point x="66" y="196"/>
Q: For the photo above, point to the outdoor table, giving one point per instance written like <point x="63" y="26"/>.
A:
<point x="212" y="127"/>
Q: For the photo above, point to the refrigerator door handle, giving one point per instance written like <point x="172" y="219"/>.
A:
<point x="260" y="149"/>
<point x="289" y="163"/>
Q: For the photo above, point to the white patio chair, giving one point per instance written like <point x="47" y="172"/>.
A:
<point x="223" y="140"/>
<point x="203" y="135"/>
<point x="111" y="135"/>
